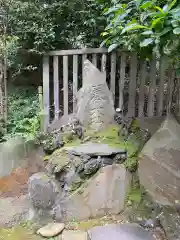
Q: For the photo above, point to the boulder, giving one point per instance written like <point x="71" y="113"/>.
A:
<point x="159" y="163"/>
<point x="119" y="231"/>
<point x="43" y="191"/>
<point x="51" y="230"/>
<point x="103" y="194"/>
<point x="170" y="221"/>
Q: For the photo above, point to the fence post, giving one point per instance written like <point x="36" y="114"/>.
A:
<point x="46" y="91"/>
<point x="41" y="113"/>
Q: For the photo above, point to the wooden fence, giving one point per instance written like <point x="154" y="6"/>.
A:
<point x="140" y="86"/>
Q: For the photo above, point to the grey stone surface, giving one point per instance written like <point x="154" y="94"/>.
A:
<point x="94" y="149"/>
<point x="119" y="231"/>
<point x="159" y="165"/>
<point x="104" y="193"/>
<point x="42" y="190"/>
<point x="170" y="221"/>
<point x="13" y="211"/>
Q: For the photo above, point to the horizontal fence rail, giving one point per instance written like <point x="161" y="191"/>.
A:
<point x="140" y="88"/>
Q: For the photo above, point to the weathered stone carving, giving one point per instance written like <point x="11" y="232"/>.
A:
<point x="95" y="106"/>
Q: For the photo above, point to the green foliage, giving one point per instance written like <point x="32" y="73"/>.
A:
<point x="36" y="26"/>
<point x="144" y="26"/>
<point x="23" y="112"/>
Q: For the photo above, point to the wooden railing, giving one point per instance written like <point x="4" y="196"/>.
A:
<point x="145" y="94"/>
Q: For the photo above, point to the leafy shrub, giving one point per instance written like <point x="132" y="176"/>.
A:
<point x="144" y="26"/>
<point x="23" y="112"/>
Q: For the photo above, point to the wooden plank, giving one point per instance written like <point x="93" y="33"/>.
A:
<point x="94" y="60"/>
<point x="84" y="57"/>
<point x="113" y="74"/>
<point x="40" y="95"/>
<point x="171" y="76"/>
<point x="152" y="87"/>
<point x="122" y="80"/>
<point x="132" y="86"/>
<point x="142" y="87"/>
<point x="46" y="91"/>
<point x="75" y="78"/>
<point x="161" y="88"/>
<point x="103" y="63"/>
<point x="56" y="86"/>
<point x="77" y="51"/>
<point x="65" y="84"/>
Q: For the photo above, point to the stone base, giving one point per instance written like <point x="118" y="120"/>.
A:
<point x="104" y="193"/>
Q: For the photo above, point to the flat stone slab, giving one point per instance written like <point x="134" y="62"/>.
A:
<point x="94" y="149"/>
<point x="119" y="231"/>
<point x="73" y="235"/>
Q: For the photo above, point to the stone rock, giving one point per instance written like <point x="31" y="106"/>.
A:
<point x="105" y="161"/>
<point x="51" y="230"/>
<point x="73" y="235"/>
<point x="94" y="149"/>
<point x="119" y="231"/>
<point x="42" y="190"/>
<point x="95" y="106"/>
<point x="159" y="165"/>
<point x="104" y="193"/>
<point x="170" y="221"/>
<point x="91" y="167"/>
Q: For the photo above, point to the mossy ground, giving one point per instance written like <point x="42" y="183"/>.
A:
<point x="19" y="232"/>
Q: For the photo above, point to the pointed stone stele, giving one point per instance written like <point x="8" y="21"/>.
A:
<point x="95" y="106"/>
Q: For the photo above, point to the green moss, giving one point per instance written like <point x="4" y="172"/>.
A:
<point x="18" y="233"/>
<point x="107" y="136"/>
<point x="131" y="164"/>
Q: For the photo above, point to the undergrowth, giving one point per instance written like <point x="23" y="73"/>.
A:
<point x="23" y="112"/>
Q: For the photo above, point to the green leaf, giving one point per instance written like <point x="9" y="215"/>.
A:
<point x="164" y="31"/>
<point x="146" y="5"/>
<point x="149" y="32"/>
<point x="171" y="5"/>
<point x="156" y="21"/>
<point x="104" y="34"/>
<point x="146" y="42"/>
<point x="176" y="31"/>
<point x="132" y="27"/>
<point x="160" y="9"/>
<point x="112" y="47"/>
<point x="175" y="23"/>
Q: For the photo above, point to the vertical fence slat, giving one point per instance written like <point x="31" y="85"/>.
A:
<point x="40" y="94"/>
<point x="161" y="87"/>
<point x="113" y="74"/>
<point x="75" y="78"/>
<point x="142" y="87"/>
<point x="132" y="86"/>
<point x="56" y="86"/>
<point x="152" y="88"/>
<point x="65" y="84"/>
<point x="46" y="91"/>
<point x="84" y="57"/>
<point x="122" y="79"/>
<point x="94" y="60"/>
<point x="171" y="75"/>
<point x="103" y="63"/>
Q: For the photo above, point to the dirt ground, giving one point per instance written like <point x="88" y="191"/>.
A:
<point x="15" y="184"/>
